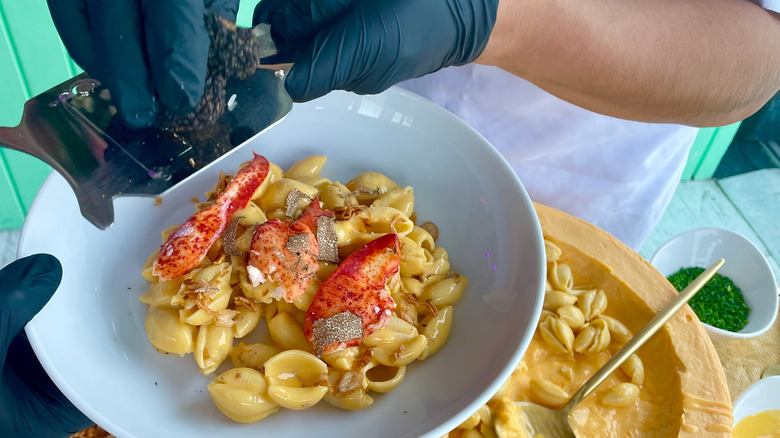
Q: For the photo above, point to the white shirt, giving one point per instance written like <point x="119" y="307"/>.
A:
<point x="773" y="5"/>
<point x="617" y="174"/>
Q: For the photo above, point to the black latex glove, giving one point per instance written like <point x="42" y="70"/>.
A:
<point x="147" y="52"/>
<point x="30" y="403"/>
<point x="367" y="46"/>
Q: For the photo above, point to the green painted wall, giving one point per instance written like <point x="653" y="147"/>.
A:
<point x="33" y="59"/>
<point x="707" y="151"/>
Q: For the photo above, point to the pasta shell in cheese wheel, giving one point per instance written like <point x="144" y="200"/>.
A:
<point x="547" y="393"/>
<point x="242" y="395"/>
<point x="212" y="347"/>
<point x="470" y="422"/>
<point x="634" y="369"/>
<point x="551" y="251"/>
<point x="560" y="276"/>
<point x="620" y="395"/>
<point x="296" y="379"/>
<point x="553" y="299"/>
<point x="167" y="333"/>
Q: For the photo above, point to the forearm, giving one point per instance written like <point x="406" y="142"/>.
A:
<point x="696" y="62"/>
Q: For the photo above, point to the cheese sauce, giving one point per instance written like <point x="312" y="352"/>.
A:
<point x="764" y="424"/>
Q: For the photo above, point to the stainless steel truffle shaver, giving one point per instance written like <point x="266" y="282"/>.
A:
<point x="74" y="128"/>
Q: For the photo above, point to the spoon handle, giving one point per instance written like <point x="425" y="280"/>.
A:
<point x="643" y="335"/>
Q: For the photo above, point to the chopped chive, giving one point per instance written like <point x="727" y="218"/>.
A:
<point x="719" y="303"/>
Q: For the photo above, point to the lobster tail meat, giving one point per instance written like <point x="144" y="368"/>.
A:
<point x="188" y="245"/>
<point x="353" y="303"/>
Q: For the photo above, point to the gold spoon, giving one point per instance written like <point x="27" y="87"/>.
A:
<point x="554" y="423"/>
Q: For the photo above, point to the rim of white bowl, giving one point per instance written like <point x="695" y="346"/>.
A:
<point x="749" y="392"/>
<point x="765" y="263"/>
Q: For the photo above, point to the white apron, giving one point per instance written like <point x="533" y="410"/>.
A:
<point x="618" y="175"/>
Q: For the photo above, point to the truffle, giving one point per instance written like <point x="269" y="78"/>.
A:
<point x="233" y="52"/>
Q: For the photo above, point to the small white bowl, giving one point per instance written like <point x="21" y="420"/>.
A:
<point x="745" y="266"/>
<point x="761" y="396"/>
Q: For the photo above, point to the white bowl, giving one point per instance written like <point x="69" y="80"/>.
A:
<point x="745" y="266"/>
<point x="90" y="337"/>
<point x="760" y="396"/>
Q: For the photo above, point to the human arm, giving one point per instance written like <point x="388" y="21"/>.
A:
<point x="695" y="62"/>
<point x="30" y="403"/>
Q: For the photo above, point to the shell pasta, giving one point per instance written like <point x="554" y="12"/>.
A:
<point x="266" y="249"/>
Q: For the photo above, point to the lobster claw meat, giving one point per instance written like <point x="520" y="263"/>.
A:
<point x="353" y="303"/>
<point x="312" y="213"/>
<point x="188" y="245"/>
<point x="287" y="253"/>
<point x="284" y="252"/>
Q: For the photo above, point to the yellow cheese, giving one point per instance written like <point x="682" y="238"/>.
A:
<point x="682" y="391"/>
<point x="762" y="424"/>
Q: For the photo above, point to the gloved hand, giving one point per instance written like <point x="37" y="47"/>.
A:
<point x="30" y="403"/>
<point x="367" y="46"/>
<point x="146" y="52"/>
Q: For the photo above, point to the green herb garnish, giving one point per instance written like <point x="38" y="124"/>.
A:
<point x="719" y="303"/>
